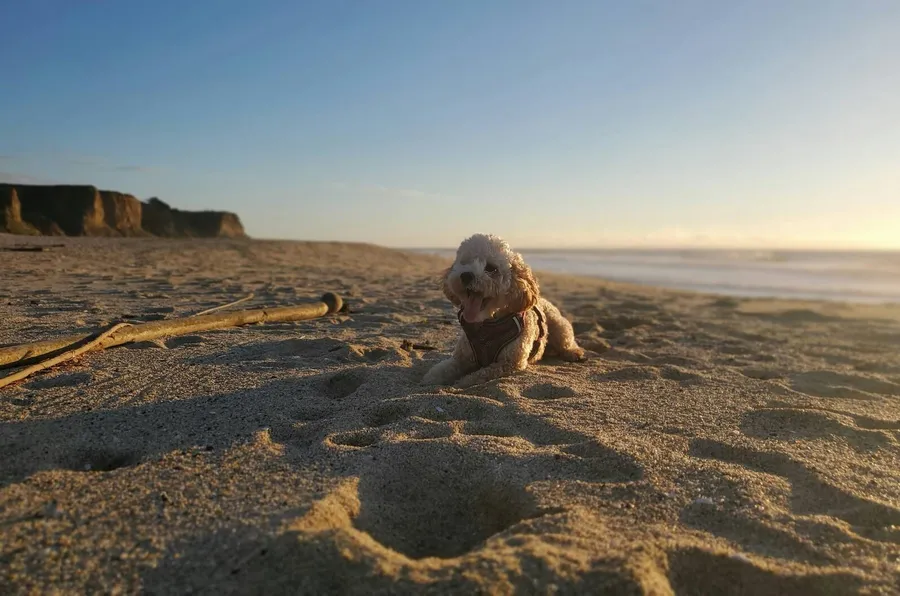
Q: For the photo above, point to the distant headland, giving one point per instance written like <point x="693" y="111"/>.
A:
<point x="70" y="210"/>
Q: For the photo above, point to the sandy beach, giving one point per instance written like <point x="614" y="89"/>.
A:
<point x="708" y="446"/>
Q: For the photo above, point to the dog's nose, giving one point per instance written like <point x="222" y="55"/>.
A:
<point x="466" y="277"/>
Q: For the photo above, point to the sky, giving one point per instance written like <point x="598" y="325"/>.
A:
<point x="756" y="123"/>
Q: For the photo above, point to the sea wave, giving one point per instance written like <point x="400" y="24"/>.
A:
<point x="872" y="277"/>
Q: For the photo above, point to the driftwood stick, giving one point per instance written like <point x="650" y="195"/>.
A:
<point x="249" y="296"/>
<point x="23" y="354"/>
<point x="27" y="372"/>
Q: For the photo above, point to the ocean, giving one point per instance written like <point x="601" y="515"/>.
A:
<point x="862" y="277"/>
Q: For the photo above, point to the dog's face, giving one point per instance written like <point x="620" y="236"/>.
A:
<point x="489" y="279"/>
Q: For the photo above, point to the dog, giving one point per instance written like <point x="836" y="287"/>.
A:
<point x="506" y="323"/>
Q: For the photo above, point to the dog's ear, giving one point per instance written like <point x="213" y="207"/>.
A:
<point x="526" y="291"/>
<point x="445" y="287"/>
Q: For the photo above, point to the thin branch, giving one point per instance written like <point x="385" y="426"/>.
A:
<point x="65" y="356"/>
<point x="249" y="296"/>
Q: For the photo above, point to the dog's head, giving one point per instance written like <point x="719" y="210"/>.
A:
<point x="488" y="279"/>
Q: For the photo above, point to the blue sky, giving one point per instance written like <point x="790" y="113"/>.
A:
<point x="570" y="123"/>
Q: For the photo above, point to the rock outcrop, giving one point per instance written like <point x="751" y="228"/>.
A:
<point x="75" y="210"/>
<point x="11" y="214"/>
<point x="162" y="220"/>
<point x="122" y="213"/>
<point x="87" y="211"/>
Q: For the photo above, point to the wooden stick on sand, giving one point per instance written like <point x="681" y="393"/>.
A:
<point x="65" y="356"/>
<point x="14" y="356"/>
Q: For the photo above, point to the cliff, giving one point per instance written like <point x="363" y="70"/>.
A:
<point x="11" y="214"/>
<point x="88" y="211"/>
<point x="162" y="220"/>
<point x="122" y="213"/>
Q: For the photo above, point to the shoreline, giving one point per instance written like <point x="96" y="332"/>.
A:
<point x="851" y="277"/>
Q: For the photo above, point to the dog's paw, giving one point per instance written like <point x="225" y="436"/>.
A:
<point x="430" y="379"/>
<point x="574" y="355"/>
<point x="438" y="375"/>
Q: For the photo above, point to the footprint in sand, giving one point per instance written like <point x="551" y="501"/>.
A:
<point x="468" y="416"/>
<point x="698" y="571"/>
<point x="875" y="423"/>
<point x="441" y="499"/>
<point x="461" y="407"/>
<point x="387" y="412"/>
<point x="762" y="373"/>
<point x="344" y="383"/>
<point x="861" y="421"/>
<point x="680" y="362"/>
<point x="185" y="340"/>
<point x="287" y="353"/>
<point x="60" y="380"/>
<point x="355" y="438"/>
<point x="764" y="537"/>
<point x="676" y="373"/>
<point x="785" y="424"/>
<point x="313" y="413"/>
<point x="99" y="459"/>
<point x="470" y="419"/>
<point x="811" y="495"/>
<point x="824" y="383"/>
<point x="650" y="373"/>
<point x="548" y="391"/>
<point x="629" y="373"/>
<point x="424" y="500"/>
<point x="300" y="353"/>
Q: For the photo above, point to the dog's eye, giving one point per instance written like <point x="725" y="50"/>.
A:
<point x="490" y="268"/>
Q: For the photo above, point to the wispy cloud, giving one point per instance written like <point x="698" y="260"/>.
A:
<point x="82" y="160"/>
<point x="388" y="191"/>
<point x="102" y="163"/>
<point x="19" y="178"/>
<point x="74" y="159"/>
<point x="133" y="168"/>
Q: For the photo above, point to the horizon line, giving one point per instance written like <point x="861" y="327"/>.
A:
<point x="657" y="248"/>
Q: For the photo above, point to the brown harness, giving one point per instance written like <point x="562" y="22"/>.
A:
<point x="489" y="337"/>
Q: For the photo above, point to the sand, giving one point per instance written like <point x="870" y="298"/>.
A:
<point x="709" y="445"/>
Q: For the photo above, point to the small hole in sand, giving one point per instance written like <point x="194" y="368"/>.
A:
<point x="674" y="373"/>
<point x="99" y="460"/>
<point x="344" y="383"/>
<point x="697" y="571"/>
<point x="439" y="501"/>
<point x="356" y="438"/>
<point x="490" y="429"/>
<point x="548" y="391"/>
<point x="312" y="414"/>
<point x="430" y="430"/>
<point x="456" y="408"/>
<point x="630" y="373"/>
<point x="60" y="380"/>
<point x="184" y="340"/>
<point x="386" y="413"/>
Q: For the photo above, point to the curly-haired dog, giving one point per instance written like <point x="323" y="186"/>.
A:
<point x="506" y="324"/>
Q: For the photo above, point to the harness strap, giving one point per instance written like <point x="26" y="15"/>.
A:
<point x="542" y="331"/>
